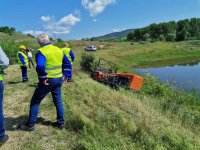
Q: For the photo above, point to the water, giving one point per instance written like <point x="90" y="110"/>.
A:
<point x="185" y="76"/>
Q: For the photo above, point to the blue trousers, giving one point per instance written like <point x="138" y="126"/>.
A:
<point x="2" y="129"/>
<point x="24" y="72"/>
<point x="41" y="91"/>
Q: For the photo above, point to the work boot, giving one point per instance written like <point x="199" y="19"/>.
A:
<point x="4" y="139"/>
<point x="26" y="127"/>
<point x="25" y="80"/>
<point x="69" y="80"/>
<point x="58" y="125"/>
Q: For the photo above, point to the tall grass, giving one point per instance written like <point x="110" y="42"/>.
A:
<point x="180" y="104"/>
<point x="11" y="47"/>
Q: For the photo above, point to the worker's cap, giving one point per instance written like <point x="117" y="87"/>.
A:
<point x="66" y="44"/>
<point x="22" y="47"/>
<point x="43" y="38"/>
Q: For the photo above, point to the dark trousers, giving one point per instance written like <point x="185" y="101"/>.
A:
<point x="40" y="92"/>
<point x="24" y="73"/>
<point x="2" y="129"/>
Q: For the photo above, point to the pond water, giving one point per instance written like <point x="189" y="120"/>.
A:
<point x="185" y="76"/>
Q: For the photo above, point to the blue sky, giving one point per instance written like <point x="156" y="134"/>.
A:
<point x="76" y="19"/>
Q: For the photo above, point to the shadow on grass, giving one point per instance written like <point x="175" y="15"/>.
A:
<point x="12" y="123"/>
<point x="33" y="85"/>
<point x="14" y="82"/>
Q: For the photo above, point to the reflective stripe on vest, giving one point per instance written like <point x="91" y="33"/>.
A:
<point x="67" y="53"/>
<point x="54" y="57"/>
<point x="24" y="56"/>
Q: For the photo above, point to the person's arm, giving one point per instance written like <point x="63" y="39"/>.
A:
<point x="40" y="68"/>
<point x="66" y="66"/>
<point x="72" y="55"/>
<point x="21" y="59"/>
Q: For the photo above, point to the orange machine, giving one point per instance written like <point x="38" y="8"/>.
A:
<point x="116" y="80"/>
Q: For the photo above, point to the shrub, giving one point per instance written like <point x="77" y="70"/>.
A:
<point x="171" y="37"/>
<point x="153" y="87"/>
<point x="88" y="62"/>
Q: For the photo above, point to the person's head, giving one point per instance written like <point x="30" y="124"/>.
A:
<point x="22" y="48"/>
<point x="66" y="44"/>
<point x="43" y="38"/>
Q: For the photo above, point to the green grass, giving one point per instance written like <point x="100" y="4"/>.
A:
<point x="97" y="117"/>
<point x="128" y="56"/>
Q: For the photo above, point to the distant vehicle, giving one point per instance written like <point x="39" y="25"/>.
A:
<point x="90" y="48"/>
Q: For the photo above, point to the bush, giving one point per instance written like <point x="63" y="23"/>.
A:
<point x="88" y="63"/>
<point x="171" y="37"/>
<point x="153" y="87"/>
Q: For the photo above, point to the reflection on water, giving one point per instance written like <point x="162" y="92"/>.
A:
<point x="185" y="76"/>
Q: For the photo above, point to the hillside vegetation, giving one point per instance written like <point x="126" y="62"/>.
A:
<point x="98" y="117"/>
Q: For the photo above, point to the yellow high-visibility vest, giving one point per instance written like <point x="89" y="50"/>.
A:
<point x="1" y="75"/>
<point x="25" y="58"/>
<point x="66" y="51"/>
<point x="54" y="57"/>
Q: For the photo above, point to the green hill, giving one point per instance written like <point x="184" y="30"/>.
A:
<point x="115" y="35"/>
<point x="14" y="36"/>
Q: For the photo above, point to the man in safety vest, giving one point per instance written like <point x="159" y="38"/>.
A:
<point x="3" y="137"/>
<point x="70" y="55"/>
<point x="23" y="62"/>
<point x="51" y="68"/>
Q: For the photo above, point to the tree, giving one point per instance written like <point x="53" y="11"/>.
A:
<point x="194" y="27"/>
<point x="182" y="30"/>
<point x="130" y="36"/>
<point x="59" y="40"/>
<point x="171" y="37"/>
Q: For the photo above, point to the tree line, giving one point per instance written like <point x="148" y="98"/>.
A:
<point x="8" y="30"/>
<point x="188" y="29"/>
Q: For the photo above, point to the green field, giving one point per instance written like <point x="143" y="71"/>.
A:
<point x="128" y="56"/>
<point x="97" y="117"/>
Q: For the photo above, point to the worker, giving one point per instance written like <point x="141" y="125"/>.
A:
<point x="23" y="62"/>
<point x="51" y="66"/>
<point x="30" y="57"/>
<point x="70" y="55"/>
<point x="3" y="137"/>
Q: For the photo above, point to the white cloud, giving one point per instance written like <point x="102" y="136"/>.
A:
<point x="116" y="30"/>
<point x="45" y="18"/>
<point x="62" y="26"/>
<point x="96" y="6"/>
<point x="94" y="20"/>
<point x="54" y="28"/>
<point x="70" y="20"/>
<point x="35" y="33"/>
<point x="119" y="30"/>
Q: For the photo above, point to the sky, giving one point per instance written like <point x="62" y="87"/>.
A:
<point x="77" y="19"/>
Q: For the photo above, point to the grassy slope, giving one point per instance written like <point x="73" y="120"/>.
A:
<point x="14" y="36"/>
<point x="96" y="118"/>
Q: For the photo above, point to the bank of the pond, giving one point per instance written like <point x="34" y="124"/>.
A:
<point x="185" y="76"/>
